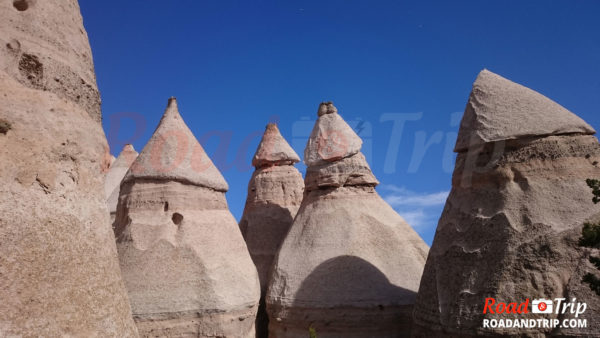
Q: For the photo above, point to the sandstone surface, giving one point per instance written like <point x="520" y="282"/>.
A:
<point x="331" y="139"/>
<point x="499" y="109"/>
<point x="173" y="153"/>
<point x="511" y="223"/>
<point x="58" y="262"/>
<point x="274" y="196"/>
<point x="114" y="176"/>
<point x="184" y="261"/>
<point x="350" y="265"/>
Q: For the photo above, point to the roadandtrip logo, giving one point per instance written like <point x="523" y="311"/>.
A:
<point x="559" y="307"/>
<point x="541" y="306"/>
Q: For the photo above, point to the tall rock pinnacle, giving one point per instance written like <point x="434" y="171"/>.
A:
<point x="116" y="172"/>
<point x="184" y="261"/>
<point x="274" y="196"/>
<point x="58" y="260"/>
<point x="350" y="265"/>
<point x="512" y="221"/>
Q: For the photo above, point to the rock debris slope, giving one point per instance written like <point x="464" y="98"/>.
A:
<point x="274" y="196"/>
<point x="59" y="273"/>
<point x="512" y="220"/>
<point x="184" y="261"/>
<point x="350" y="265"/>
<point x="116" y="172"/>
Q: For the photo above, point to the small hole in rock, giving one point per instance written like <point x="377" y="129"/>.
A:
<point x="31" y="68"/>
<point x="13" y="45"/>
<point x="5" y="126"/>
<point x="177" y="218"/>
<point x="21" y="5"/>
<point x="166" y="206"/>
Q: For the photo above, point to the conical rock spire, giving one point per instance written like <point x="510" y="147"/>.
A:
<point x="126" y="157"/>
<point x="331" y="138"/>
<point x="273" y="149"/>
<point x="174" y="153"/>
<point x="183" y="258"/>
<point x="349" y="266"/>
<point x="499" y="109"/>
<point x="114" y="176"/>
<point x="333" y="153"/>
<point x="274" y="196"/>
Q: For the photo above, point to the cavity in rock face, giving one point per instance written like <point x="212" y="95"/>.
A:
<point x="184" y="261"/>
<point x="274" y="196"/>
<point x="116" y="172"/>
<point x="4" y="126"/>
<point x="58" y="261"/>
<point x="510" y="227"/>
<point x="350" y="265"/>
<point x="41" y="50"/>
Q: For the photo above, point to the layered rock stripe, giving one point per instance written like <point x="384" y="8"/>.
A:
<point x="58" y="260"/>
<point x="512" y="221"/>
<point x="350" y="265"/>
<point x="114" y="176"/>
<point x="184" y="261"/>
<point x="274" y="196"/>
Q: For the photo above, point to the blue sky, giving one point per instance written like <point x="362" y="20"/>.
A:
<point x="236" y="65"/>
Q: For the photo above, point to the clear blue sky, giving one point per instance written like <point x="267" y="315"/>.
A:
<point x="236" y="65"/>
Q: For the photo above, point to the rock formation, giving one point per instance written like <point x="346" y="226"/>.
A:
<point x="510" y="227"/>
<point x="116" y="172"/>
<point x="59" y="274"/>
<point x="184" y="261"/>
<point x="274" y="196"/>
<point x="350" y="265"/>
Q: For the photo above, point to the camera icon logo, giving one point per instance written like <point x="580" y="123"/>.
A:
<point x="541" y="306"/>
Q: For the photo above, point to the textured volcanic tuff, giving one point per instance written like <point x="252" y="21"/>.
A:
<point x="184" y="261"/>
<point x="350" y="265"/>
<point x="499" y="109"/>
<point x="513" y="218"/>
<point x="274" y="196"/>
<point x="58" y="262"/>
<point x="116" y="172"/>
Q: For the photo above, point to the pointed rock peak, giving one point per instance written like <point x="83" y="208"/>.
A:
<point x="174" y="153"/>
<point x="499" y="109"/>
<point x="128" y="148"/>
<point x="271" y="128"/>
<point x="274" y="149"/>
<point x="172" y="105"/>
<point x="126" y="157"/>
<point x="172" y="111"/>
<point x="326" y="108"/>
<point x="331" y="139"/>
